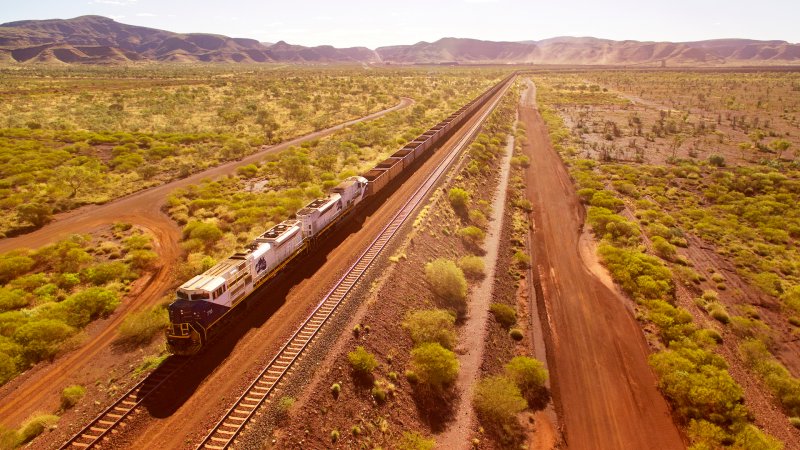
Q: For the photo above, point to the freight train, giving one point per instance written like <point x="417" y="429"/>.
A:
<point x="205" y="302"/>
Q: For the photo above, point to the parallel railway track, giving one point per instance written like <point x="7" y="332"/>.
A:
<point x="112" y="417"/>
<point x="223" y="434"/>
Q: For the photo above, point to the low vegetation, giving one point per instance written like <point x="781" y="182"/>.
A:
<point x="141" y="327"/>
<point x="436" y="367"/>
<point x="497" y="401"/>
<point x="49" y="295"/>
<point x="641" y="248"/>
<point x="71" y="395"/>
<point x="362" y="361"/>
<point x="432" y="326"/>
<point x="448" y="283"/>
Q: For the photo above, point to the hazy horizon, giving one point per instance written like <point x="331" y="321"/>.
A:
<point x="373" y="24"/>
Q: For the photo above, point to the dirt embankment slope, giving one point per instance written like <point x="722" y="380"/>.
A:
<point x="39" y="389"/>
<point x="602" y="384"/>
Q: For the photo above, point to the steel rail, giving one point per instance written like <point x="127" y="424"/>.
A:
<point x="223" y="434"/>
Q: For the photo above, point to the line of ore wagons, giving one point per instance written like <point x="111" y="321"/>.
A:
<point x="380" y="175"/>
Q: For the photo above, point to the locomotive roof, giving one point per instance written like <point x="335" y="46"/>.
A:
<point x="320" y="204"/>
<point x="280" y="232"/>
<point x="203" y="282"/>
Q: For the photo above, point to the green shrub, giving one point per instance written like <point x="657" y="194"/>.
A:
<point x="497" y="401"/>
<point x="516" y="334"/>
<point x="746" y="327"/>
<point x="698" y="385"/>
<point x="641" y="276"/>
<point x="285" y="405"/>
<point x="478" y="218"/>
<point x="362" y="361"/>
<point x="141" y="259"/>
<point x="605" y="199"/>
<point x="522" y="259"/>
<point x="11" y="299"/>
<point x="411" y="440"/>
<point x="795" y="421"/>
<point x="435" y="366"/>
<point x="777" y="377"/>
<point x="791" y="298"/>
<point x="208" y="233"/>
<point x="106" y="272"/>
<point x="472" y="235"/>
<point x="528" y="374"/>
<point x="8" y="367"/>
<point x="703" y="432"/>
<point x="718" y="313"/>
<point x="447" y="281"/>
<point x="14" y="264"/>
<point x="41" y="339"/>
<point x="248" y="171"/>
<point x="89" y="305"/>
<point x="608" y="225"/>
<point x="716" y="160"/>
<point x="505" y="315"/>
<point x="459" y="198"/>
<point x="35" y="426"/>
<point x="472" y="266"/>
<point x="336" y="389"/>
<point x="664" y="249"/>
<point x="334" y="435"/>
<point x="36" y="214"/>
<point x="379" y="392"/>
<point x="427" y="326"/>
<point x="71" y="395"/>
<point x="520" y="161"/>
<point x="523" y="204"/>
<point x="140" y="327"/>
<point x="752" y="438"/>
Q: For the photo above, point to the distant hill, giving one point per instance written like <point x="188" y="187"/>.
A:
<point x="587" y="50"/>
<point x="100" y="40"/>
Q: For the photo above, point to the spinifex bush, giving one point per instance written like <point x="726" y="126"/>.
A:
<point x="447" y="281"/>
<point x="433" y="325"/>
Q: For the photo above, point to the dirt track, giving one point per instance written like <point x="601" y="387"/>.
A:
<point x="39" y="389"/>
<point x="602" y="385"/>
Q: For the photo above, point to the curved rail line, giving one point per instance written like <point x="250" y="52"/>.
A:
<point x="234" y="420"/>
<point x="107" y="421"/>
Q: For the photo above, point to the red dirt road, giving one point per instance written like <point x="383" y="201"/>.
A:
<point x="602" y="385"/>
<point x="39" y="390"/>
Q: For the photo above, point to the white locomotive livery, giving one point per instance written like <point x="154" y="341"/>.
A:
<point x="207" y="298"/>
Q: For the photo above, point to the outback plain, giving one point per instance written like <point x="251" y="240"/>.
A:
<point x="585" y="257"/>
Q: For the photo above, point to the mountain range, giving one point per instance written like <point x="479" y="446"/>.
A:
<point x="100" y="40"/>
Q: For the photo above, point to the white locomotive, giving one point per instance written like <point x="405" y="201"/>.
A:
<point x="206" y="299"/>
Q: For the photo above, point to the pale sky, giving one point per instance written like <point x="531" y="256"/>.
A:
<point x="345" y="23"/>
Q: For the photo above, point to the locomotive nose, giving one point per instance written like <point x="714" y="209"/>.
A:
<point x="182" y="311"/>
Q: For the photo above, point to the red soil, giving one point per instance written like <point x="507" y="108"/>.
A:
<point x="603" y="388"/>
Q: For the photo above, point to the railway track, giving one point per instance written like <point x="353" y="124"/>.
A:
<point x="112" y="417"/>
<point x="224" y="433"/>
<point x="233" y="422"/>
